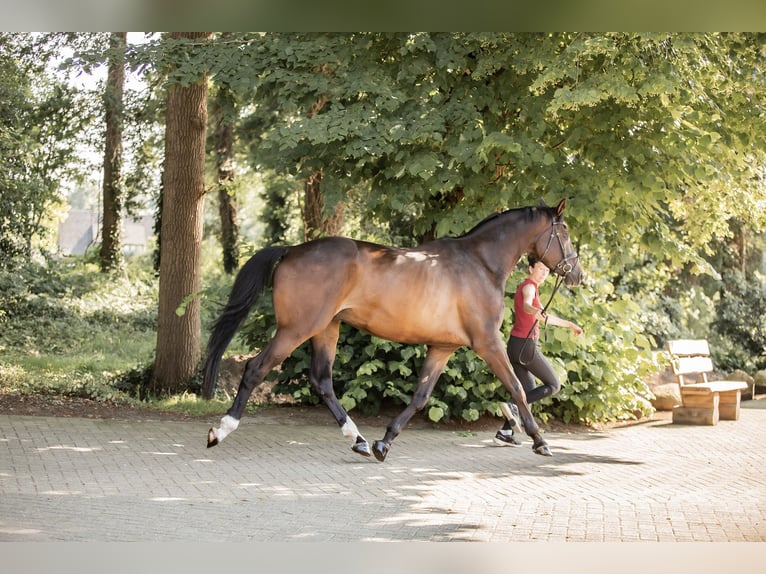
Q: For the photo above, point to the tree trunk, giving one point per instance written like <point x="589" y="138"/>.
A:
<point x="227" y="204"/>
<point x="314" y="221"/>
<point x="179" y="327"/>
<point x="110" y="257"/>
<point x="315" y="224"/>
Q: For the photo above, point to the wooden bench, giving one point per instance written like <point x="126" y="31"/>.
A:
<point x="703" y="402"/>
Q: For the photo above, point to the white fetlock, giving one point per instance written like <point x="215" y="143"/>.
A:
<point x="228" y="425"/>
<point x="349" y="430"/>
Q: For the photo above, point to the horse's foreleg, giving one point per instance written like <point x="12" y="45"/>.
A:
<point x="320" y="377"/>
<point x="255" y="371"/>
<point x="496" y="357"/>
<point x="436" y="359"/>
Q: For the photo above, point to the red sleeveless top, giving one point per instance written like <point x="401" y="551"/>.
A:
<point x="523" y="321"/>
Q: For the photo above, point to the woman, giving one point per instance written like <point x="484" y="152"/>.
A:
<point x="526" y="359"/>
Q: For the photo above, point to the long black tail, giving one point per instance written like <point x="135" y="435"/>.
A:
<point x="249" y="284"/>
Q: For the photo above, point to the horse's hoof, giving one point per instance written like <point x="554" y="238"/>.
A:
<point x="542" y="450"/>
<point x="539" y="446"/>
<point x="212" y="440"/>
<point x="361" y="447"/>
<point x="380" y="450"/>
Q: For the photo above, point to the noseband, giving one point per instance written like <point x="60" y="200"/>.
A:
<point x="566" y="265"/>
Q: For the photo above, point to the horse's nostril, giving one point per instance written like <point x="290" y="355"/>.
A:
<point x="574" y="278"/>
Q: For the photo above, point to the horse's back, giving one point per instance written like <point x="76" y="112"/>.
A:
<point x="427" y="294"/>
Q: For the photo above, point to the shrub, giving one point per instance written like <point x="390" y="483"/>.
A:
<point x="740" y="323"/>
<point x="605" y="367"/>
<point x="68" y="330"/>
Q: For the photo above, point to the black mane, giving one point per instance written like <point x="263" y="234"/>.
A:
<point x="530" y="213"/>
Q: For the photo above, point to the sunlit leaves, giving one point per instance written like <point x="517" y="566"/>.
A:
<point x="42" y="123"/>
<point x="652" y="137"/>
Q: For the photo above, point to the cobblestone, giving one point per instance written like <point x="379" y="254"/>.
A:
<point x="73" y="479"/>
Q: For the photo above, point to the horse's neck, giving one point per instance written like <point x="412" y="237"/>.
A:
<point x="501" y="243"/>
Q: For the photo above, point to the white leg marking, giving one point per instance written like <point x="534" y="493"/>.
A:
<point x="228" y="425"/>
<point x="349" y="430"/>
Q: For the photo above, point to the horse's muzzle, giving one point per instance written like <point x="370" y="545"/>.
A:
<point x="574" y="277"/>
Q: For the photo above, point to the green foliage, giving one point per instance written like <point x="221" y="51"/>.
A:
<point x="67" y="329"/>
<point x="191" y="404"/>
<point x="605" y="368"/>
<point x="636" y="129"/>
<point x="69" y="383"/>
<point x="740" y="323"/>
<point x="43" y="120"/>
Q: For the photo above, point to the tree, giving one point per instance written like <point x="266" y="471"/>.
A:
<point x="178" y="327"/>
<point x="113" y="195"/>
<point x="632" y="127"/>
<point x="652" y="137"/>
<point x="14" y="190"/>
<point x="316" y="221"/>
<point x="224" y="158"/>
<point x="42" y="125"/>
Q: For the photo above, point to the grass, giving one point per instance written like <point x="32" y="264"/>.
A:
<point x="193" y="405"/>
<point x="67" y="330"/>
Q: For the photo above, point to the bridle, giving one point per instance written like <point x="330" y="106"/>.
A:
<point x="563" y="267"/>
<point x="561" y="270"/>
<point x="566" y="265"/>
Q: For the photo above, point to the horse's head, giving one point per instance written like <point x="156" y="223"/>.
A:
<point x="554" y="248"/>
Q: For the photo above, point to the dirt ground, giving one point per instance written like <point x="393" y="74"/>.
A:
<point x="271" y="406"/>
<point x="45" y="406"/>
<point x="284" y="414"/>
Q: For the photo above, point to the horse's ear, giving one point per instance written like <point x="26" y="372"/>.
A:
<point x="560" y="207"/>
<point x="542" y="202"/>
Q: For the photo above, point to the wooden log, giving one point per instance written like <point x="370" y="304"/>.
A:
<point x="705" y="401"/>
<point x="728" y="408"/>
<point x="695" y="416"/>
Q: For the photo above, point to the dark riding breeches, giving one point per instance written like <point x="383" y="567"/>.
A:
<point x="528" y="362"/>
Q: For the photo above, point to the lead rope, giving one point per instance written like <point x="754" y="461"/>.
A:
<point x="544" y="312"/>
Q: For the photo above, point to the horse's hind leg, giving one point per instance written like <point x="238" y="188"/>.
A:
<point x="255" y="371"/>
<point x="324" y="348"/>
<point x="494" y="353"/>
<point x="436" y="359"/>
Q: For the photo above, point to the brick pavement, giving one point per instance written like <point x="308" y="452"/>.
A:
<point x="71" y="479"/>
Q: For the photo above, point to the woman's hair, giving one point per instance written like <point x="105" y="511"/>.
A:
<point x="532" y="260"/>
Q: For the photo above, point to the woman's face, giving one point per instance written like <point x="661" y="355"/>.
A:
<point x="538" y="272"/>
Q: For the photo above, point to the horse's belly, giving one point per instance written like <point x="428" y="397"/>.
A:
<point x="407" y="322"/>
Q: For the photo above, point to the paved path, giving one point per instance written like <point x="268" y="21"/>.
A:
<point x="64" y="479"/>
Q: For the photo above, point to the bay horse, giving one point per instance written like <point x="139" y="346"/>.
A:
<point x="446" y="294"/>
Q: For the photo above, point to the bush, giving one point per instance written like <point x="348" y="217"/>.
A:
<point x="605" y="368"/>
<point x="68" y="330"/>
<point x="740" y="323"/>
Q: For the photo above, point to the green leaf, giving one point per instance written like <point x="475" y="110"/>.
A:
<point x="436" y="414"/>
<point x="181" y="309"/>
